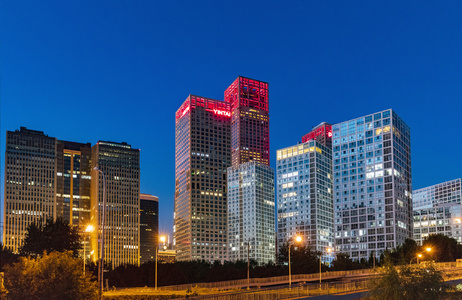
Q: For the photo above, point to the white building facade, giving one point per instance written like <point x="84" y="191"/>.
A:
<point x="304" y="196"/>
<point x="437" y="210"/>
<point x="251" y="216"/>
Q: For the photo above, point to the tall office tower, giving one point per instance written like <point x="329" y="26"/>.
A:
<point x="149" y="227"/>
<point x="30" y="187"/>
<point x="304" y="195"/>
<point x="251" y="217"/>
<point x="121" y="166"/>
<point x="202" y="156"/>
<point x="249" y="121"/>
<point x="73" y="183"/>
<point x="437" y="210"/>
<point x="372" y="184"/>
<point x="321" y="133"/>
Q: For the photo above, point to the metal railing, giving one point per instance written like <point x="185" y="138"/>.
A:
<point x="285" y="279"/>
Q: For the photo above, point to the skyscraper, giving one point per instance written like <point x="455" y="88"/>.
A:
<point x="30" y="183"/>
<point x="251" y="181"/>
<point x="437" y="210"/>
<point x="249" y="120"/>
<point x="121" y="166"/>
<point x="202" y="156"/>
<point x="149" y="227"/>
<point x="372" y="184"/>
<point x="304" y="195"/>
<point x="251" y="212"/>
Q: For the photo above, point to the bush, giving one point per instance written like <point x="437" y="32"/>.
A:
<point x="53" y="276"/>
<point x="408" y="283"/>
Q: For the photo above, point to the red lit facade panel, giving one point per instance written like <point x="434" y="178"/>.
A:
<point x="250" y="120"/>
<point x="321" y="133"/>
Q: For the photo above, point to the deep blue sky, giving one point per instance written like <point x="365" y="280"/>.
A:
<point x="117" y="70"/>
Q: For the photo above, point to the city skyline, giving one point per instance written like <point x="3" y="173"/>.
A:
<point x="356" y="61"/>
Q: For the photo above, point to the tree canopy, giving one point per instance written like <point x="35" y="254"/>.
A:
<point x="52" y="276"/>
<point x="51" y="236"/>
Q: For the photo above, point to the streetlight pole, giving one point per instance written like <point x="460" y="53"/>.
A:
<point x="101" y="253"/>
<point x="88" y="230"/>
<point x="161" y="239"/>
<point x="320" y="268"/>
<point x="248" y="264"/>
<point x="297" y="239"/>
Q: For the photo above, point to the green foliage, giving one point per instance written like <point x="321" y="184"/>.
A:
<point x="403" y="254"/>
<point x="53" y="276"/>
<point x="7" y="257"/>
<point x="343" y="262"/>
<point x="53" y="236"/>
<point x="406" y="283"/>
<point x="303" y="258"/>
<point x="443" y="247"/>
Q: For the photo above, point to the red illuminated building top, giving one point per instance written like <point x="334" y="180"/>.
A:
<point x="321" y="133"/>
<point x="247" y="92"/>
<point x="219" y="108"/>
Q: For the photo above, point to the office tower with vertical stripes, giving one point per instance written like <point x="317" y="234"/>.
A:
<point x="149" y="227"/>
<point x="30" y="183"/>
<point x="121" y="166"/>
<point x="202" y="156"/>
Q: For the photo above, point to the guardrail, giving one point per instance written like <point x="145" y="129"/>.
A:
<point x="285" y="279"/>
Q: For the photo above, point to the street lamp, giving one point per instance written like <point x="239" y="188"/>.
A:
<point x="298" y="239"/>
<point x="101" y="253"/>
<point x="420" y="255"/>
<point x="320" y="256"/>
<point x="162" y="240"/>
<point x="89" y="229"/>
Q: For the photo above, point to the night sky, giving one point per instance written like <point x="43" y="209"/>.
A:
<point x="118" y="70"/>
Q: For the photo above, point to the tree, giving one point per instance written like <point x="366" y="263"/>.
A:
<point x="52" y="276"/>
<point x="443" y="248"/>
<point x="7" y="257"/>
<point x="303" y="258"/>
<point x="53" y="236"/>
<point x="408" y="283"/>
<point x="343" y="262"/>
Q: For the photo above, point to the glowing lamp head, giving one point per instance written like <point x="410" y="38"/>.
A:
<point x="89" y="228"/>
<point x="429" y="249"/>
<point x="329" y="249"/>
<point x="162" y="239"/>
<point x="420" y="255"/>
<point x="298" y="239"/>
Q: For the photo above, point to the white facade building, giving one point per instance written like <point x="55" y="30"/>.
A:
<point x="437" y="210"/>
<point x="251" y="217"/>
<point x="304" y="196"/>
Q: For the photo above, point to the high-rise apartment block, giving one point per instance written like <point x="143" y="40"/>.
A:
<point x="251" y="212"/>
<point x="202" y="156"/>
<point x="121" y="166"/>
<point x="149" y="227"/>
<point x="30" y="183"/>
<point x="437" y="210"/>
<point x="304" y="195"/>
<point x="372" y="184"/>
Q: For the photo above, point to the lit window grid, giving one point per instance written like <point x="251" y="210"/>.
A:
<point x="30" y="177"/>
<point x="251" y="217"/>
<point x="121" y="165"/>
<point x="443" y="193"/>
<point x="304" y="195"/>
<point x="437" y="210"/>
<point x="372" y="184"/>
<point x="202" y="157"/>
<point x="444" y="220"/>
